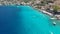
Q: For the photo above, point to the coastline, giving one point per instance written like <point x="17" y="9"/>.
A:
<point x="49" y="14"/>
<point x="43" y="11"/>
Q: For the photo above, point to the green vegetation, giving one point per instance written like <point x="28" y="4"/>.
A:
<point x="43" y="3"/>
<point x="28" y="0"/>
<point x="56" y="7"/>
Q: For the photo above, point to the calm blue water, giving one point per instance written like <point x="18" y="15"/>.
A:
<point x="25" y="20"/>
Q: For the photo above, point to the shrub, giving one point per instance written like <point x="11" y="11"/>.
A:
<point x="56" y="7"/>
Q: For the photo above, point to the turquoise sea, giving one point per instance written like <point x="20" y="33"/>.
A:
<point x="25" y="20"/>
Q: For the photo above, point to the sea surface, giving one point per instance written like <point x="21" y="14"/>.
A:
<point x="25" y="20"/>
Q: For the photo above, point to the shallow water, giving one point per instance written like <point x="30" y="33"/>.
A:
<point x="25" y="20"/>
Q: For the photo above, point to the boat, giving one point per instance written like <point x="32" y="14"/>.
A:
<point x="53" y="18"/>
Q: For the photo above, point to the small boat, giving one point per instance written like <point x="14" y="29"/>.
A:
<point x="54" y="23"/>
<point x="53" y="18"/>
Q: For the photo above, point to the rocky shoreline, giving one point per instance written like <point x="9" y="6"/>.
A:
<point x="34" y="4"/>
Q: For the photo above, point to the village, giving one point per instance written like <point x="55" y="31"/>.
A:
<point x="30" y="16"/>
<point x="50" y="7"/>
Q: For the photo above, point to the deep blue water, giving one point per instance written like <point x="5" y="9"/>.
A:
<point x="25" y="20"/>
<point x="9" y="23"/>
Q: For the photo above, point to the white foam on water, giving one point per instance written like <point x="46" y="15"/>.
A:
<point x="52" y="33"/>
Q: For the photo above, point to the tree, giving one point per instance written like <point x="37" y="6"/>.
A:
<point x="56" y="7"/>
